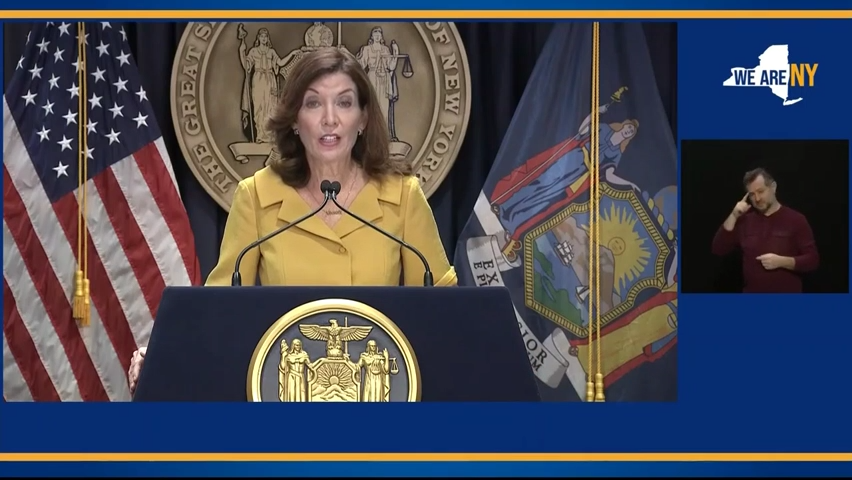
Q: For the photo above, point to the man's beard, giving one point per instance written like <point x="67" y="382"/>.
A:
<point x="765" y="206"/>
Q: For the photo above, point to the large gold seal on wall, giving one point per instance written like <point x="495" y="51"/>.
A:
<point x="334" y="351"/>
<point x="227" y="78"/>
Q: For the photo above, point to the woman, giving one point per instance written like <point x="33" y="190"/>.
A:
<point x="329" y="126"/>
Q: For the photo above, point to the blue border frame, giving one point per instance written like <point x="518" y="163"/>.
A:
<point x="760" y="373"/>
<point x="392" y="469"/>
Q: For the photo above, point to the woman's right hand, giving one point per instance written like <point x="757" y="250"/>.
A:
<point x="136" y="367"/>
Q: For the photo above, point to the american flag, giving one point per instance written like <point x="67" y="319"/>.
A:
<point x="139" y="238"/>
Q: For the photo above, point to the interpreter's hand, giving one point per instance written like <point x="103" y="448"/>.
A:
<point x="741" y="207"/>
<point x="136" y="367"/>
<point x="770" y="261"/>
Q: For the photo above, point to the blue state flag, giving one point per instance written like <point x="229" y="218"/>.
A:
<point x="530" y="226"/>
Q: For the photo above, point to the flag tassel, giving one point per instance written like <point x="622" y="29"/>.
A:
<point x="81" y="307"/>
<point x="79" y="303"/>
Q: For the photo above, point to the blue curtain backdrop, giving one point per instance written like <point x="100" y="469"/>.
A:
<point x="501" y="55"/>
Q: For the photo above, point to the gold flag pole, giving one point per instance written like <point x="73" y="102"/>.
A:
<point x="596" y="47"/>
<point x="81" y="307"/>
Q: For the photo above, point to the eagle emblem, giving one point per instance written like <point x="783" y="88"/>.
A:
<point x="334" y="335"/>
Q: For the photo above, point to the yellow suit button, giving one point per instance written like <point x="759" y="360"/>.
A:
<point x="342" y="249"/>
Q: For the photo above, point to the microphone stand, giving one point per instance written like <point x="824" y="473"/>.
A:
<point x="236" y="278"/>
<point x="428" y="281"/>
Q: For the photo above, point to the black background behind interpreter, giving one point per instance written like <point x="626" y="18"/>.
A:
<point x="812" y="177"/>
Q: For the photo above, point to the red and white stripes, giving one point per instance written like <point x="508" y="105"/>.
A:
<point x="139" y="242"/>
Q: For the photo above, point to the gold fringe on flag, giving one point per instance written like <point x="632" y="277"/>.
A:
<point x="594" y="388"/>
<point x="81" y="305"/>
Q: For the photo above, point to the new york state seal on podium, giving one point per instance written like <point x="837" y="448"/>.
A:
<point x="334" y="351"/>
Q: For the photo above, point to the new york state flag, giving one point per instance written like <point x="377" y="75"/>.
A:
<point x="530" y="226"/>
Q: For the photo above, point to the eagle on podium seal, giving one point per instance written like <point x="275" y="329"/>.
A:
<point x="334" y="351"/>
<point x="227" y="79"/>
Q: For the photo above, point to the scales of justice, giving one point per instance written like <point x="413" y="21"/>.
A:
<point x="335" y="377"/>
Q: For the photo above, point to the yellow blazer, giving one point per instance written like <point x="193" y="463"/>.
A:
<point x="312" y="253"/>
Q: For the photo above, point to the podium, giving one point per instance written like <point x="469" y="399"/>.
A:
<point x="466" y="340"/>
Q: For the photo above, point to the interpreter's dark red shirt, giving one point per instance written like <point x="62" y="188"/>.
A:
<point x="786" y="233"/>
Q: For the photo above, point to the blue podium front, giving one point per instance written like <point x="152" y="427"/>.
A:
<point x="336" y="344"/>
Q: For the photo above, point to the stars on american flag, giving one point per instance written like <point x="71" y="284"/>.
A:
<point x="117" y="104"/>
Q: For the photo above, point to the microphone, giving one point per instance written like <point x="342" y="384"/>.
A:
<point x="427" y="275"/>
<point x="236" y="278"/>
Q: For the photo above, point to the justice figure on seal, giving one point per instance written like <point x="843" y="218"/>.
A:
<point x="329" y="126"/>
<point x="376" y="374"/>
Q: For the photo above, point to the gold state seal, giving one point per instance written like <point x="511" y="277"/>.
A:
<point x="333" y="351"/>
<point x="227" y="78"/>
